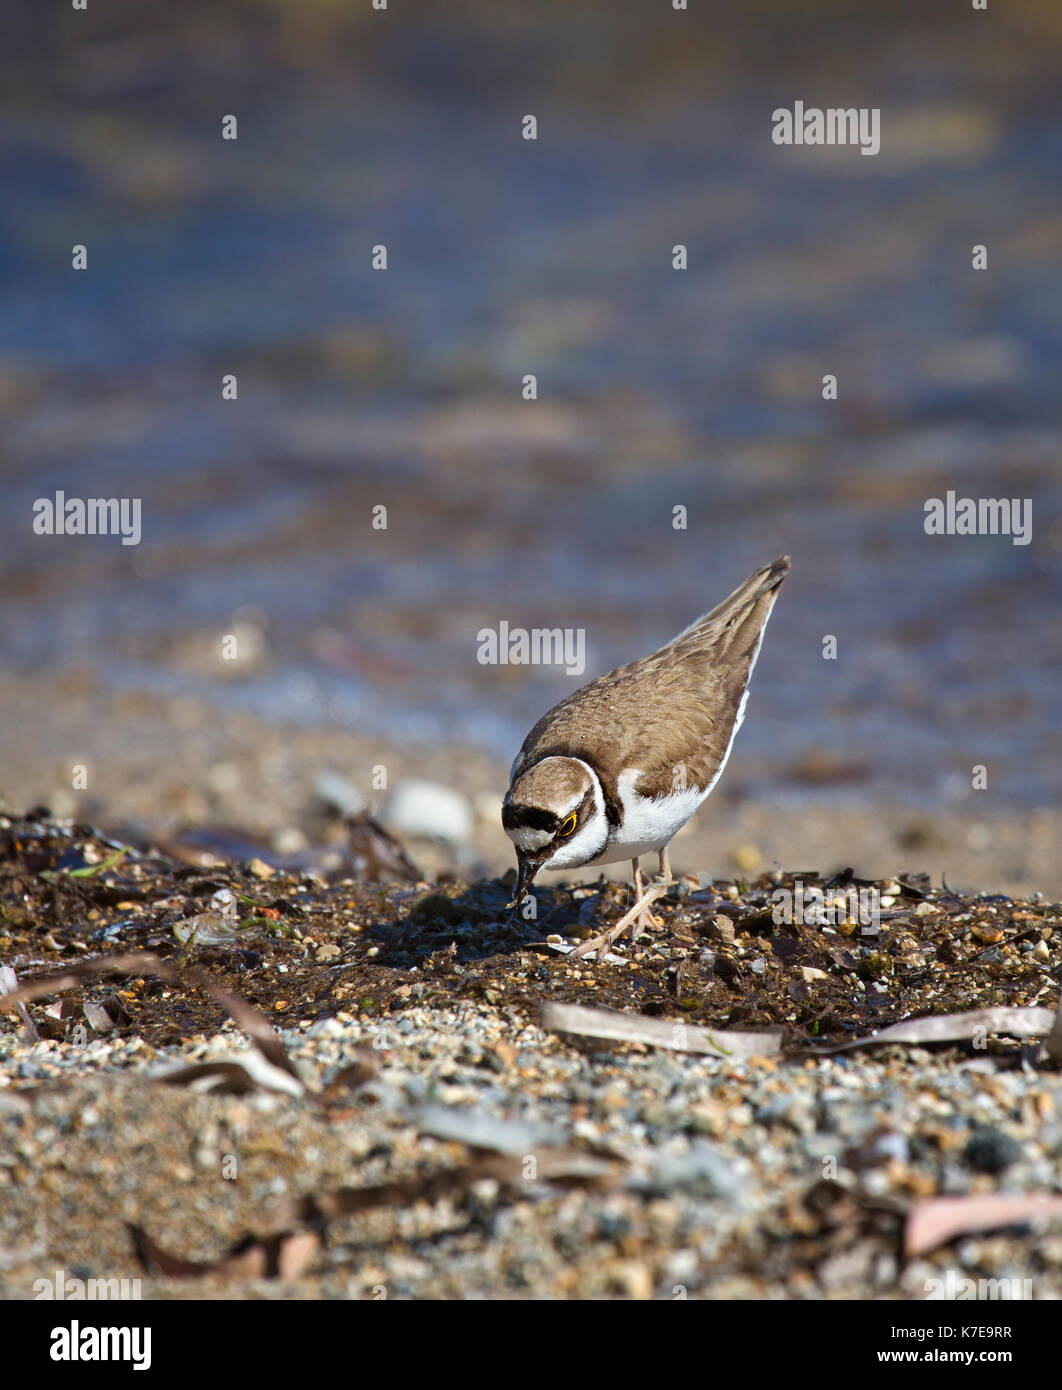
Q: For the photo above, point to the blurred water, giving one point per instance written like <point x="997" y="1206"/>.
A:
<point x="657" y="388"/>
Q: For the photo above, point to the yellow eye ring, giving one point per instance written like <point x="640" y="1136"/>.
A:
<point x="567" y="828"/>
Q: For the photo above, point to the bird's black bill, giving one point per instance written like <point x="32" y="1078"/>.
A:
<point x="528" y="869"/>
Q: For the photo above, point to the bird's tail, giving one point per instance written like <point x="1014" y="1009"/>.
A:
<point x="749" y="606"/>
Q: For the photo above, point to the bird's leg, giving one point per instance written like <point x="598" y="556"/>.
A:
<point x="645" y="919"/>
<point x="637" y="918"/>
<point x="637" y="874"/>
<point x="665" y="866"/>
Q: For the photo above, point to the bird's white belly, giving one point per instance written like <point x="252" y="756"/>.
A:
<point x="648" y="824"/>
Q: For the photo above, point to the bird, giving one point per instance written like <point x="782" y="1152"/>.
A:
<point x="618" y="767"/>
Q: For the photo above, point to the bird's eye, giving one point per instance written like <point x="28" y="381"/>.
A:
<point x="567" y="828"/>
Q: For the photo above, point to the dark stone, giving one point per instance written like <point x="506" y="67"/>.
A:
<point x="990" y="1151"/>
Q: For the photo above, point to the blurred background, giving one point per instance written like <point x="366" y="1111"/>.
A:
<point x="657" y="388"/>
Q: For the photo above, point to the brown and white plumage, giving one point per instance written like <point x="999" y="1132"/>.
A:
<point x="632" y="754"/>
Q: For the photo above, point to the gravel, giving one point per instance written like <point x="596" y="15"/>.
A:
<point x="718" y="1161"/>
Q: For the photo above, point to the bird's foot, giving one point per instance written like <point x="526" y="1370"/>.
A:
<point x="647" y="919"/>
<point x="637" y="916"/>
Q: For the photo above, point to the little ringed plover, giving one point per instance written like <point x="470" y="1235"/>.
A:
<point x="620" y="765"/>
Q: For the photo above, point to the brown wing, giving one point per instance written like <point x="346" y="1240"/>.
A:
<point x="686" y="695"/>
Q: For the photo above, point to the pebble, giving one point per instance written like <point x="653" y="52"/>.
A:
<point x="428" y="809"/>
<point x="747" y="858"/>
<point x="702" y="1169"/>
<point x="632" y="1278"/>
<point x="991" y="1151"/>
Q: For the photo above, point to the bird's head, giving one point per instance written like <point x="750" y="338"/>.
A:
<point x="554" y="813"/>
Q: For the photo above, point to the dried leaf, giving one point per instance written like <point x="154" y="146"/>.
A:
<point x="232" y="1078"/>
<point x="656" y="1032"/>
<point x="934" y="1223"/>
<point x="513" y="1172"/>
<point x="225" y="1076"/>
<point x="1016" y="1022"/>
<point x="284" y="1256"/>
